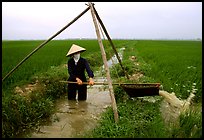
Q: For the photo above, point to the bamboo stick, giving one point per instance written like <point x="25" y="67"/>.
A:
<point x="112" y="45"/>
<point x="45" y="42"/>
<point x="106" y="83"/>
<point x="105" y="64"/>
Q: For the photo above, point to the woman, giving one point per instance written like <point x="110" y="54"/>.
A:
<point x="76" y="69"/>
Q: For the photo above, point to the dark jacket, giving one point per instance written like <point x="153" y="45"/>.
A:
<point x="79" y="70"/>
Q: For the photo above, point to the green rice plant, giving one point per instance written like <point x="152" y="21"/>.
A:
<point x="38" y="62"/>
<point x="177" y="65"/>
<point x="52" y="54"/>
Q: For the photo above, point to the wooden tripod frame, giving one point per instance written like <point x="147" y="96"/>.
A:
<point x="94" y="16"/>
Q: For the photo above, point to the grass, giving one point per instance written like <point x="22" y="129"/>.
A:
<point x="134" y="122"/>
<point x="190" y="124"/>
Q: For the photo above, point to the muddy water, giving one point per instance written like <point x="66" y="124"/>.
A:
<point x="73" y="118"/>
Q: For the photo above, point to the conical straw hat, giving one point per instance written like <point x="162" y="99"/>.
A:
<point x="74" y="49"/>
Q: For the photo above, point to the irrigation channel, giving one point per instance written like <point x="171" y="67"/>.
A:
<point x="73" y="118"/>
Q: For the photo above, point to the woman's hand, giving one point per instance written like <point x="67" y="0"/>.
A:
<point x="79" y="82"/>
<point x="91" y="81"/>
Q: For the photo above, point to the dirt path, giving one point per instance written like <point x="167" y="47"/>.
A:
<point x="74" y="118"/>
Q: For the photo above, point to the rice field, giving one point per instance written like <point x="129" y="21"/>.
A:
<point x="177" y="65"/>
<point x="51" y="54"/>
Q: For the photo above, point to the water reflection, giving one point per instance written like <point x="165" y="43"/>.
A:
<point x="114" y="59"/>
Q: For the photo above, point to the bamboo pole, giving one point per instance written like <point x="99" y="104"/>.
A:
<point x="105" y="64"/>
<point x="45" y="42"/>
<point x="109" y="39"/>
<point x="106" y="83"/>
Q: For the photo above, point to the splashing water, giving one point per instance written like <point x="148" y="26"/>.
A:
<point x="172" y="107"/>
